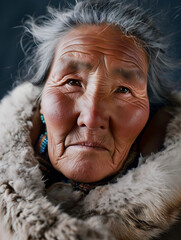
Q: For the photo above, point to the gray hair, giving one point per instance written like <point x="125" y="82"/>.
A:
<point x="129" y="17"/>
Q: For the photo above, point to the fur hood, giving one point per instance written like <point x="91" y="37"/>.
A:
<point x="140" y="205"/>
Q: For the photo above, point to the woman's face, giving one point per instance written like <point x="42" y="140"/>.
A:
<point x="94" y="102"/>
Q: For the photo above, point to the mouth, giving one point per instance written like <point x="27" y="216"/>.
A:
<point x="90" y="145"/>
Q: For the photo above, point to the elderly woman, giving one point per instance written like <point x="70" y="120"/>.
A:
<point x="83" y="153"/>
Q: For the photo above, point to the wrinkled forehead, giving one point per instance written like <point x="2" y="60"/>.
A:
<point x="102" y="41"/>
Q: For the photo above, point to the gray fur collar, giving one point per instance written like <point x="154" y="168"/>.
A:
<point x="140" y="205"/>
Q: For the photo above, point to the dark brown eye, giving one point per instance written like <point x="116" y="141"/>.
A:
<point x="74" y="82"/>
<point x="123" y="90"/>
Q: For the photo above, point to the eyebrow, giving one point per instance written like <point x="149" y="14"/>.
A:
<point x="128" y="73"/>
<point x="77" y="64"/>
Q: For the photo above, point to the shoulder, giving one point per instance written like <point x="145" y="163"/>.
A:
<point x="20" y="99"/>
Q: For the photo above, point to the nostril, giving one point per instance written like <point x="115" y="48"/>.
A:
<point x="84" y="125"/>
<point x="92" y="119"/>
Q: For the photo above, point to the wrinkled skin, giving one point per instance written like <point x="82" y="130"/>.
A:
<point x="94" y="102"/>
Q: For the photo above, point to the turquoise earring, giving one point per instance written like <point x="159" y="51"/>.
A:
<point x="43" y="140"/>
<point x="42" y="118"/>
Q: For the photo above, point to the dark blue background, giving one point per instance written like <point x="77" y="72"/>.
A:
<point x="14" y="11"/>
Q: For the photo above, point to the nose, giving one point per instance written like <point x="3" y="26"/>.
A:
<point x="93" y="113"/>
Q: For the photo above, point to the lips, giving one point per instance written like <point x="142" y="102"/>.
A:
<point x="93" y="145"/>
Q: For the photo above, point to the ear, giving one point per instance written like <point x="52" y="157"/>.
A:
<point x="37" y="124"/>
<point x="40" y="108"/>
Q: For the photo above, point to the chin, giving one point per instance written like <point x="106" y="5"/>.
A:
<point x="85" y="171"/>
<point x="85" y="166"/>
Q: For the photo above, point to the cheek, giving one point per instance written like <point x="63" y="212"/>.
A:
<point x="131" y="119"/>
<point x="58" y="111"/>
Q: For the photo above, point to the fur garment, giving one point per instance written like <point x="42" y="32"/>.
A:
<point x="143" y="203"/>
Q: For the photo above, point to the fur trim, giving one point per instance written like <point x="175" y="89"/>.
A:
<point x="140" y="205"/>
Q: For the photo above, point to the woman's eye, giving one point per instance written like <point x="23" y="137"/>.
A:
<point x="74" y="82"/>
<point x="123" y="90"/>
